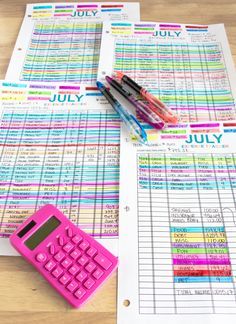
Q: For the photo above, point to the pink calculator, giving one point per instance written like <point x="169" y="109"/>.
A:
<point x="72" y="261"/>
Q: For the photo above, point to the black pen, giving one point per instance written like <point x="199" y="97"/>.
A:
<point x="130" y="121"/>
<point x="145" y="112"/>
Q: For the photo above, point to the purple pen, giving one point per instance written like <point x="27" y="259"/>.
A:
<point x="144" y="111"/>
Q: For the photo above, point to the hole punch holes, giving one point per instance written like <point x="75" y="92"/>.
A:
<point x="126" y="303"/>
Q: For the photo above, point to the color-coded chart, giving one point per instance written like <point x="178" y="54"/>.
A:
<point x="65" y="157"/>
<point x="186" y="233"/>
<point x="60" y="42"/>
<point x="188" y="67"/>
<point x="200" y="254"/>
<point x="191" y="79"/>
<point x="66" y="51"/>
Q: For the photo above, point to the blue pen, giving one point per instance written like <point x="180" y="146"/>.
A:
<point x="130" y="121"/>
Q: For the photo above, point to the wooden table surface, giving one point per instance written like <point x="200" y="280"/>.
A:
<point x="25" y="297"/>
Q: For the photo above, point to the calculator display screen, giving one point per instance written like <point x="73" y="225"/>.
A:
<point x="34" y="240"/>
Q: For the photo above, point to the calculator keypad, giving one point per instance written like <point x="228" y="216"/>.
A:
<point x="82" y="276"/>
<point x="80" y="293"/>
<point x="65" y="278"/>
<point x="57" y="272"/>
<point x="84" y="245"/>
<point x="90" y="267"/>
<point x="74" y="263"/>
<point x="77" y="238"/>
<point x="72" y="285"/>
<point x="50" y="265"/>
<point x="83" y="260"/>
<point x="69" y="232"/>
<point x="92" y="252"/>
<point x="89" y="283"/>
<point x="103" y="261"/>
<point x="52" y="249"/>
<point x="60" y="256"/>
<point x="41" y="257"/>
<point x="66" y="263"/>
<point x="74" y="269"/>
<point x="98" y="273"/>
<point x="68" y="247"/>
<point x="71" y="261"/>
<point x="75" y="254"/>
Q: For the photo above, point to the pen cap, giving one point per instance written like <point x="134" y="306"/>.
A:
<point x="131" y="83"/>
<point x="118" y="87"/>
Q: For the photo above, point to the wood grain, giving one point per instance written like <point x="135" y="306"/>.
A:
<point x="25" y="297"/>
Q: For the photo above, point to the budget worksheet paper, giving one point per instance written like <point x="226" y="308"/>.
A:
<point x="177" y="227"/>
<point x="189" y="67"/>
<point x="59" y="144"/>
<point x="60" y="42"/>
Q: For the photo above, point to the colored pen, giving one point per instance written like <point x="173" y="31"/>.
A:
<point x="145" y="112"/>
<point x="131" y="122"/>
<point x="155" y="104"/>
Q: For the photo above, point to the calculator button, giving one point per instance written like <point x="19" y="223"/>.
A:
<point x="74" y="269"/>
<point x="84" y="245"/>
<point x="91" y="252"/>
<point x="89" y="283"/>
<point x="50" y="265"/>
<point x="69" y="232"/>
<point x="72" y="286"/>
<point x="57" y="272"/>
<point x="41" y="257"/>
<point x="80" y="293"/>
<point x="76" y="239"/>
<point x="61" y="240"/>
<point x="68" y="247"/>
<point x="59" y="256"/>
<point x="83" y="260"/>
<point x="81" y="276"/>
<point x="75" y="254"/>
<point x="98" y="273"/>
<point x="66" y="263"/>
<point x="103" y="261"/>
<point x="90" y="267"/>
<point x="52" y="249"/>
<point x="65" y="279"/>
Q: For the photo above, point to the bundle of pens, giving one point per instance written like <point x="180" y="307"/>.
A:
<point x="150" y="109"/>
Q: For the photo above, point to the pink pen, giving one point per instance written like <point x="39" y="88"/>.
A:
<point x="155" y="104"/>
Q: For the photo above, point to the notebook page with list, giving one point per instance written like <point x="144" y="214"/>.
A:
<point x="60" y="145"/>
<point x="60" y="42"/>
<point x="177" y="228"/>
<point x="188" y="67"/>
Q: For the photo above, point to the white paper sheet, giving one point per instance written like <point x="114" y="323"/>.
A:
<point x="59" y="144"/>
<point x="189" y="67"/>
<point x="60" y="42"/>
<point x="177" y="228"/>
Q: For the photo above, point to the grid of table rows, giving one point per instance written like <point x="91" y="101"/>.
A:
<point x="67" y="158"/>
<point x="63" y="51"/>
<point x="190" y="78"/>
<point x="187" y="233"/>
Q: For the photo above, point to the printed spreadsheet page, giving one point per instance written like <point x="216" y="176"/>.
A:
<point x="189" y="67"/>
<point x="177" y="228"/>
<point x="60" y="42"/>
<point x="59" y="144"/>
